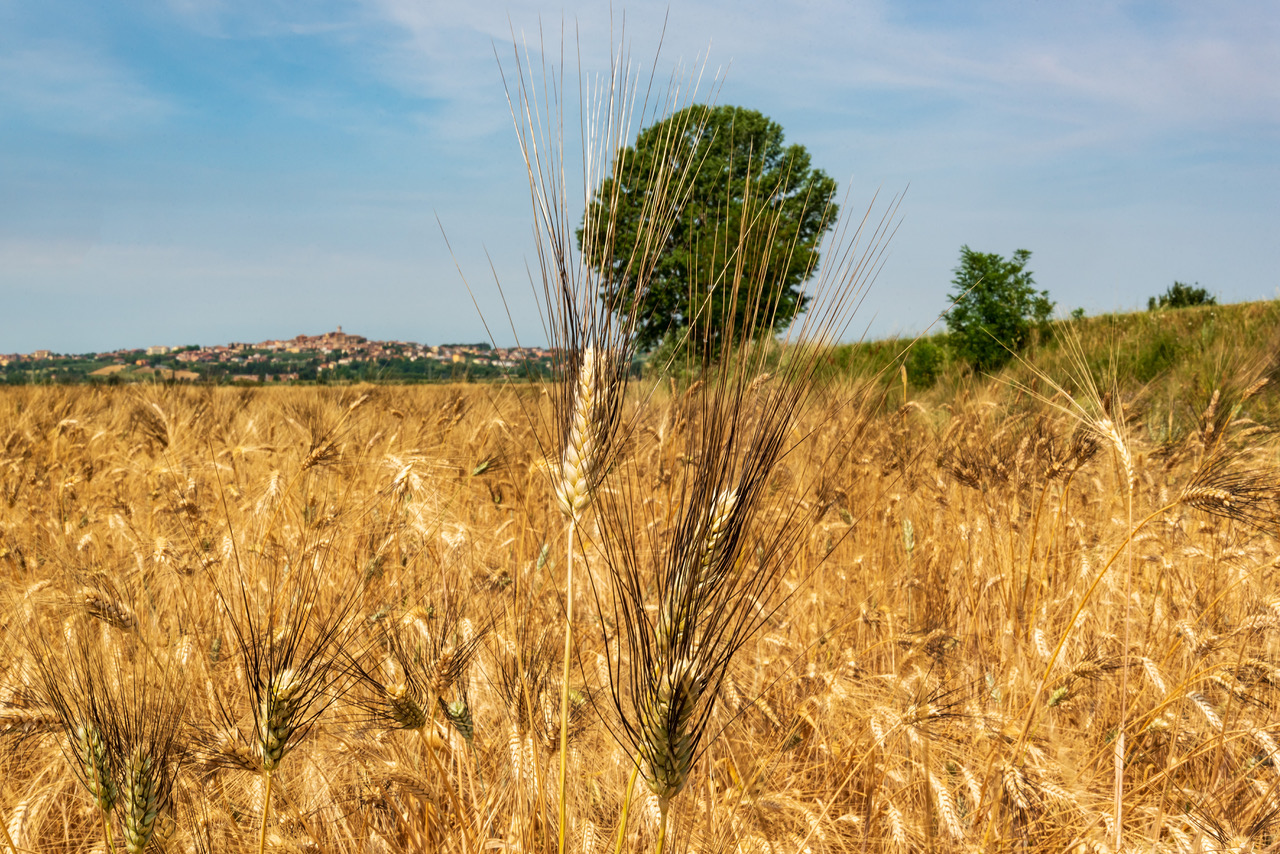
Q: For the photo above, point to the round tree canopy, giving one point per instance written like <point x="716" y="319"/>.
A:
<point x="742" y="216"/>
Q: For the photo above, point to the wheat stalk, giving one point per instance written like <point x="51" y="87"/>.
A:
<point x="286" y="658"/>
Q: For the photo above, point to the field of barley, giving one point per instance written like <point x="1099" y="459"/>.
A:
<point x="807" y="615"/>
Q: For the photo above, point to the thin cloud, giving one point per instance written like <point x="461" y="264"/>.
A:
<point x="1102" y="61"/>
<point x="1084" y="75"/>
<point x="67" y="87"/>
<point x="236" y="19"/>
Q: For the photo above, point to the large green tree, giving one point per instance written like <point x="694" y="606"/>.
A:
<point x="994" y="305"/>
<point x="742" y="216"/>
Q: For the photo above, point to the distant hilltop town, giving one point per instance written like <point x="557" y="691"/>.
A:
<point x="333" y="356"/>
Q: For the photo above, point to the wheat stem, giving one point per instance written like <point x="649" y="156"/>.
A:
<point x="564" y="687"/>
<point x="1031" y="558"/>
<point x="1124" y="670"/>
<point x="1058" y="517"/>
<point x="626" y="805"/>
<point x="106" y="831"/>
<point x="930" y="820"/>
<point x="439" y="769"/>
<point x="1053" y="659"/>
<point x="538" y="778"/>
<point x="4" y="826"/>
<point x="267" y="777"/>
<point x="1226" y="721"/>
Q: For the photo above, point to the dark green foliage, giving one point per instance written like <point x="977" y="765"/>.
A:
<point x="1182" y="295"/>
<point x="924" y="362"/>
<point x="748" y="216"/>
<point x="995" y="306"/>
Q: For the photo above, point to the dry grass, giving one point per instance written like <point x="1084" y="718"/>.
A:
<point x="939" y="666"/>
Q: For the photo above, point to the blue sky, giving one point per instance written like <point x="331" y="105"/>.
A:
<point x="203" y="171"/>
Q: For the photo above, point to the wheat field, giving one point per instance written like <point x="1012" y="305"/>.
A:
<point x="333" y="619"/>
<point x="760" y="604"/>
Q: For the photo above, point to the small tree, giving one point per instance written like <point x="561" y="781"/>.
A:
<point x="1182" y="295"/>
<point x="994" y="306"/>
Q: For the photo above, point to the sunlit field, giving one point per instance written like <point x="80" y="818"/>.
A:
<point x="310" y="619"/>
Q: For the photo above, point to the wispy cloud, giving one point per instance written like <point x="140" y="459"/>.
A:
<point x="233" y="19"/>
<point x="1102" y="63"/>
<point x="1036" y="79"/>
<point x="71" y="87"/>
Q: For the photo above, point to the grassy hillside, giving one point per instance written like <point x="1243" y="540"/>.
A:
<point x="1168" y="358"/>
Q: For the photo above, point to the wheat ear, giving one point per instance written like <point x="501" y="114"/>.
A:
<point x="282" y="703"/>
<point x="142" y="801"/>
<point x="93" y="755"/>
<point x="281" y="707"/>
<point x="1108" y="430"/>
<point x="696" y="580"/>
<point x="578" y="461"/>
<point x="672" y="699"/>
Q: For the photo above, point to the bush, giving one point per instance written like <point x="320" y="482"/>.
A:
<point x="1182" y="295"/>
<point x="924" y="362"/>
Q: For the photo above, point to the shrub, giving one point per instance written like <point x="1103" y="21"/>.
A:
<point x="925" y="362"/>
<point x="1182" y="295"/>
